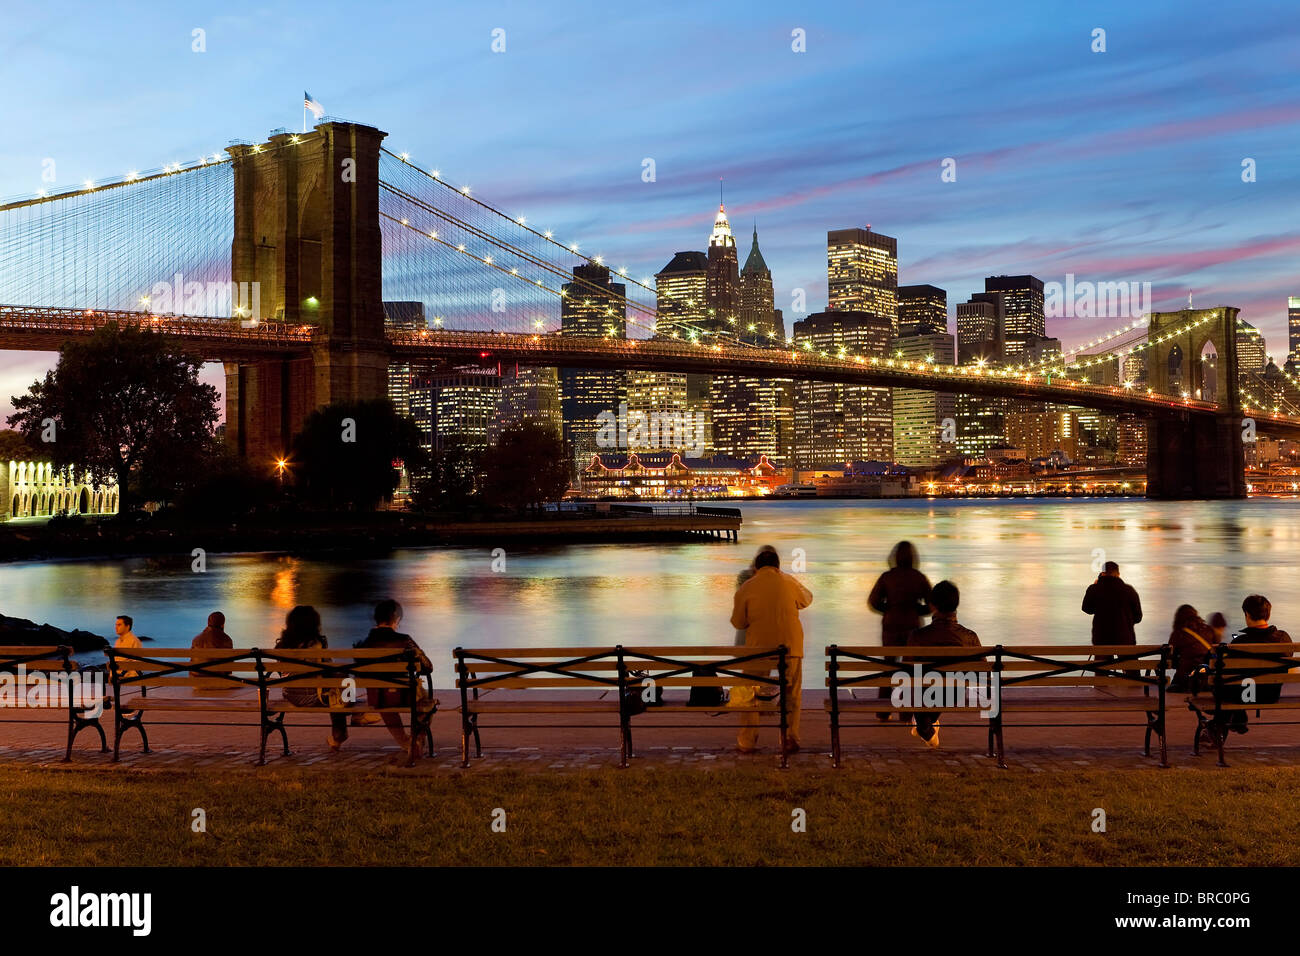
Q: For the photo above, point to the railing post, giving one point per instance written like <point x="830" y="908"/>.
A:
<point x="785" y="704"/>
<point x="624" y="716"/>
<point x="834" y="652"/>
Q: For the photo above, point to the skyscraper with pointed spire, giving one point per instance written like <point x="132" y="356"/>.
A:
<point x="760" y="320"/>
<point x="723" y="282"/>
<point x="755" y="416"/>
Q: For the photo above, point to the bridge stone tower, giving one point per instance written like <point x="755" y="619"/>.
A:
<point x="1195" y="456"/>
<point x="307" y="232"/>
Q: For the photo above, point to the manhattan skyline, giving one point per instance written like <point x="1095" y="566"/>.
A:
<point x="1115" y="166"/>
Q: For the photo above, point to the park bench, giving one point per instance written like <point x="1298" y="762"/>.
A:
<point x="200" y="682"/>
<point x="1096" y="680"/>
<point x="1232" y="664"/>
<point x="855" y="675"/>
<point x="42" y="679"/>
<point x="615" y="683"/>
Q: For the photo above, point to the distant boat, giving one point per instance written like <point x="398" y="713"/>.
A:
<point x="795" y="491"/>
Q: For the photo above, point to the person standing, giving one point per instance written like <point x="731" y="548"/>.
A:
<point x="1114" y="607"/>
<point x="901" y="595"/>
<point x="743" y="576"/>
<point x="942" y="631"/>
<point x="766" y="608"/>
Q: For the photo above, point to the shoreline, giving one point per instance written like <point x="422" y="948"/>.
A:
<point x="387" y="531"/>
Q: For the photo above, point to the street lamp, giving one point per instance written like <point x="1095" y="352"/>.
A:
<point x="280" y="466"/>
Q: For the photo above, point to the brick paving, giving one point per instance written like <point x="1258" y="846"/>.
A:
<point x="704" y="742"/>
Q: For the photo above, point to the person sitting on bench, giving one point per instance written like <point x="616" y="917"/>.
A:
<point x="388" y="614"/>
<point x="1192" y="641"/>
<point x="1257" y="609"/>
<point x="302" y="632"/>
<point x="942" y="631"/>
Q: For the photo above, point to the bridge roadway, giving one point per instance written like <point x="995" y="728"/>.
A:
<point x="222" y="340"/>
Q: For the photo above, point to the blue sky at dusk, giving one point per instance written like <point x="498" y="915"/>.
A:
<point x="1122" y="165"/>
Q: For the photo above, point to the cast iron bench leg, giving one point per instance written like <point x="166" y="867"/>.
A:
<point x="125" y="723"/>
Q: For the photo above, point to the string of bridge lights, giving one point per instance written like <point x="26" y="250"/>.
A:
<point x="520" y="221"/>
<point x="1057" y="366"/>
<point x="134" y="176"/>
<point x="487" y="260"/>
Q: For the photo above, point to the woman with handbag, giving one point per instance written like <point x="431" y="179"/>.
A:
<point x="1192" y="641"/>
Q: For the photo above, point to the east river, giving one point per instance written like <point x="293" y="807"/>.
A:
<point x="1021" y="565"/>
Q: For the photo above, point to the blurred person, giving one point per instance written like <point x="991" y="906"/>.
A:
<point x="766" y="607"/>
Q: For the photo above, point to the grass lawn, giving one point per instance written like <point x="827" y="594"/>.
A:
<point x="739" y="817"/>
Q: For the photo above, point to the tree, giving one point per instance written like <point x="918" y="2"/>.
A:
<point x="15" y="447"/>
<point x="527" y="466"/>
<point x="230" y="486"/>
<point x="346" y="454"/>
<point x="124" y="400"/>
<point x="452" y="478"/>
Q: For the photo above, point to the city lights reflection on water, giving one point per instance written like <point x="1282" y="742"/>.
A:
<point x="1022" y="568"/>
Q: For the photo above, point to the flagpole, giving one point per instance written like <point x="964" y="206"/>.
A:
<point x="304" y="115"/>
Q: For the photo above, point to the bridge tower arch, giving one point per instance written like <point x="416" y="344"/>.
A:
<point x="307" y="232"/>
<point x="1195" y="456"/>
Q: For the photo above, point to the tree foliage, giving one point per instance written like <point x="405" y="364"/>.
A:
<point x="526" y="466"/>
<point x="121" y="404"/>
<point x="345" y="455"/>
<point x="452" y="478"/>
<point x="14" y="446"/>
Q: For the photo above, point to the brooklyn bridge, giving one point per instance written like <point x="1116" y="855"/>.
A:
<point x="311" y="233"/>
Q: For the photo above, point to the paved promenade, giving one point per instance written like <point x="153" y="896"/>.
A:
<point x="661" y="743"/>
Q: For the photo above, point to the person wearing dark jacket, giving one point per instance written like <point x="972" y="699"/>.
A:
<point x="388" y="614"/>
<point x="901" y="595"/>
<point x="212" y="636"/>
<point x="1192" y="641"/>
<point x="1114" y="607"/>
<point x="1257" y="610"/>
<point x="942" y="631"/>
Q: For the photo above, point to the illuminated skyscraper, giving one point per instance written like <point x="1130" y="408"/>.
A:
<point x="754" y="416"/>
<point x="760" y="320"/>
<point x="592" y="305"/>
<point x="682" y="291"/>
<point x="921" y="417"/>
<point x="463" y="404"/>
<point x="862" y="274"/>
<point x="530" y="395"/>
<point x="1252" y="351"/>
<point x="1025" y="319"/>
<point x="405" y="390"/>
<point x="1293" y="329"/>
<point x="842" y="423"/>
<point x="922" y="310"/>
<point x="723" y="279"/>
<point x="979" y="328"/>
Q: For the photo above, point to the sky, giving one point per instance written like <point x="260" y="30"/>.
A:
<point x="1119" y="165"/>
